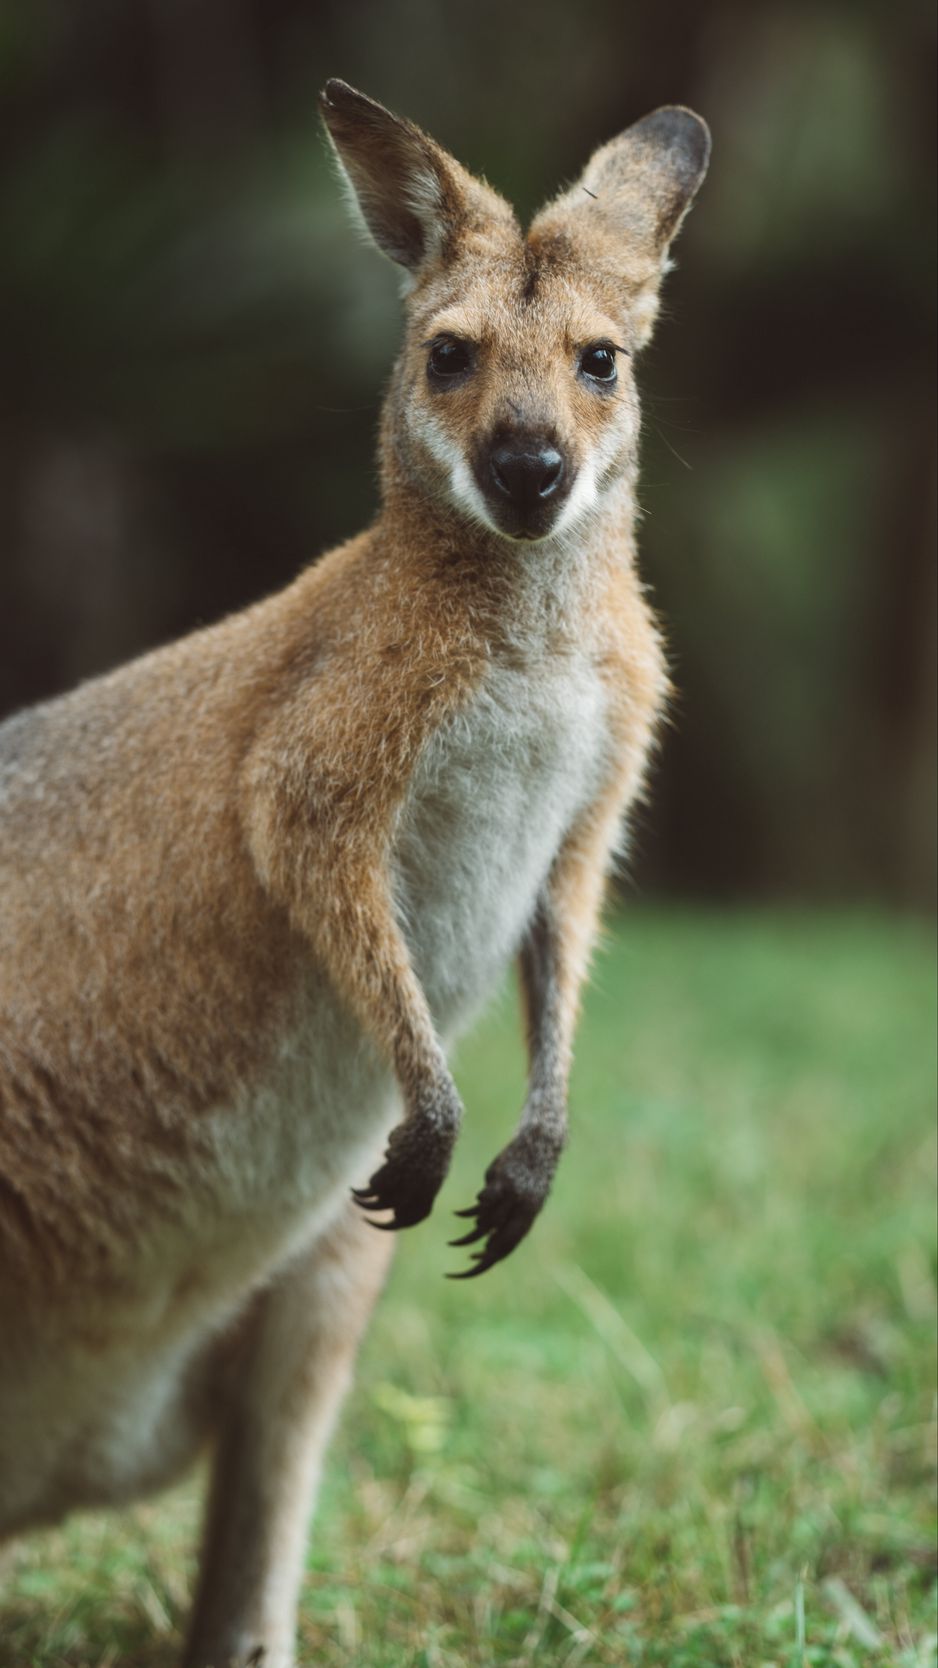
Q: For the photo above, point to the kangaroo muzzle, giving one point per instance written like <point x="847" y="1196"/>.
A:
<point x="525" y="478"/>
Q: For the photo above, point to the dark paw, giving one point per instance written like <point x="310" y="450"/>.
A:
<point x="414" y="1170"/>
<point x="516" y="1185"/>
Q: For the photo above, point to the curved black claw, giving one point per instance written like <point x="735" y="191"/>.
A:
<point x="516" y="1185"/>
<point x="411" y="1176"/>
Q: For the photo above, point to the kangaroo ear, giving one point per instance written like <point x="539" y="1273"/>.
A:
<point x="630" y="201"/>
<point x="414" y="198"/>
<point x="644" y="182"/>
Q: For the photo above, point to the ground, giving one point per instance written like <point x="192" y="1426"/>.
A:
<point x="690" y="1423"/>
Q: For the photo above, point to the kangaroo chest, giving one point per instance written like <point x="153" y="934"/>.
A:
<point x="497" y="789"/>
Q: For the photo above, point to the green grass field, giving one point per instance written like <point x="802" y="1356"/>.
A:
<point x="691" y="1421"/>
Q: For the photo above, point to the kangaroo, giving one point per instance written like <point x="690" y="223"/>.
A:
<point x="253" y="884"/>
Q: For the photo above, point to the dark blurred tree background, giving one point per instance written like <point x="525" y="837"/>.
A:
<point x="192" y="350"/>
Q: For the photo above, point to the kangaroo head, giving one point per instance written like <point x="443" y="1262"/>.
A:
<point x="513" y="399"/>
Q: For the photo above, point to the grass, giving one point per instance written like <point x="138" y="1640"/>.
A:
<point x="691" y="1422"/>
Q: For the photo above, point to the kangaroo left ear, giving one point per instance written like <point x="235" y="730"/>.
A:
<point x="648" y="177"/>
<point x="642" y="184"/>
<point x="629" y="203"/>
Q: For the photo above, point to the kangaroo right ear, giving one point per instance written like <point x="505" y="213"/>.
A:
<point x="413" y="197"/>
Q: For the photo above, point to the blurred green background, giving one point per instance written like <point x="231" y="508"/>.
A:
<point x="193" y="346"/>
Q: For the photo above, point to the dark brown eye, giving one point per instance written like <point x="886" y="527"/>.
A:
<point x="598" y="362"/>
<point x="449" y="360"/>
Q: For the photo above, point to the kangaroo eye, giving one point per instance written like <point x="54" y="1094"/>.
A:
<point x="599" y="363"/>
<point x="448" y="359"/>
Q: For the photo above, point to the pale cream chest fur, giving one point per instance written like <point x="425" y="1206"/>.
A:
<point x="496" y="791"/>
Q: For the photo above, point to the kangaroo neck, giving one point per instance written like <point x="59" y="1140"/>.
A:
<point x="548" y="577"/>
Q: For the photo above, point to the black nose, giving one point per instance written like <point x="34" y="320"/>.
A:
<point x="526" y="474"/>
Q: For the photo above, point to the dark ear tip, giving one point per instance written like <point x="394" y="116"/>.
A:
<point x="339" y="99"/>
<point x="337" y="92"/>
<point x="682" y="130"/>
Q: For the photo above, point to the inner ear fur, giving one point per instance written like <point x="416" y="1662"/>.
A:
<point x="414" y="198"/>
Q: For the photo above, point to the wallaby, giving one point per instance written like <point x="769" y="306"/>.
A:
<point x="253" y="884"/>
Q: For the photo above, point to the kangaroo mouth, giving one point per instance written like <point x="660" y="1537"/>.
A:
<point x="525" y="529"/>
<point x="516" y="506"/>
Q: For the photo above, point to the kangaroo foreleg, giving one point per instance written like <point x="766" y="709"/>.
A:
<point x="366" y="950"/>
<point x="338" y="891"/>
<point x="552" y="965"/>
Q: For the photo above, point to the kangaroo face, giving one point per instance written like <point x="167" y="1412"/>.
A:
<point x="513" y="402"/>
<point x="516" y="384"/>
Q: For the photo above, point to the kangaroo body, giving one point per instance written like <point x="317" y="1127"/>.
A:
<point x="236" y="1162"/>
<point x="251" y="887"/>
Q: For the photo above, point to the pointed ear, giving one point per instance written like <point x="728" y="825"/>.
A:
<point x="645" y="181"/>
<point x="414" y="199"/>
<point x="630" y="200"/>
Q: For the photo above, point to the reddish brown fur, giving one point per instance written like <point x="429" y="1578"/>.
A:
<point x="198" y="865"/>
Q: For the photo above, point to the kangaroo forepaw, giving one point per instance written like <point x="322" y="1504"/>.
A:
<point x="414" y="1170"/>
<point x="516" y="1184"/>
